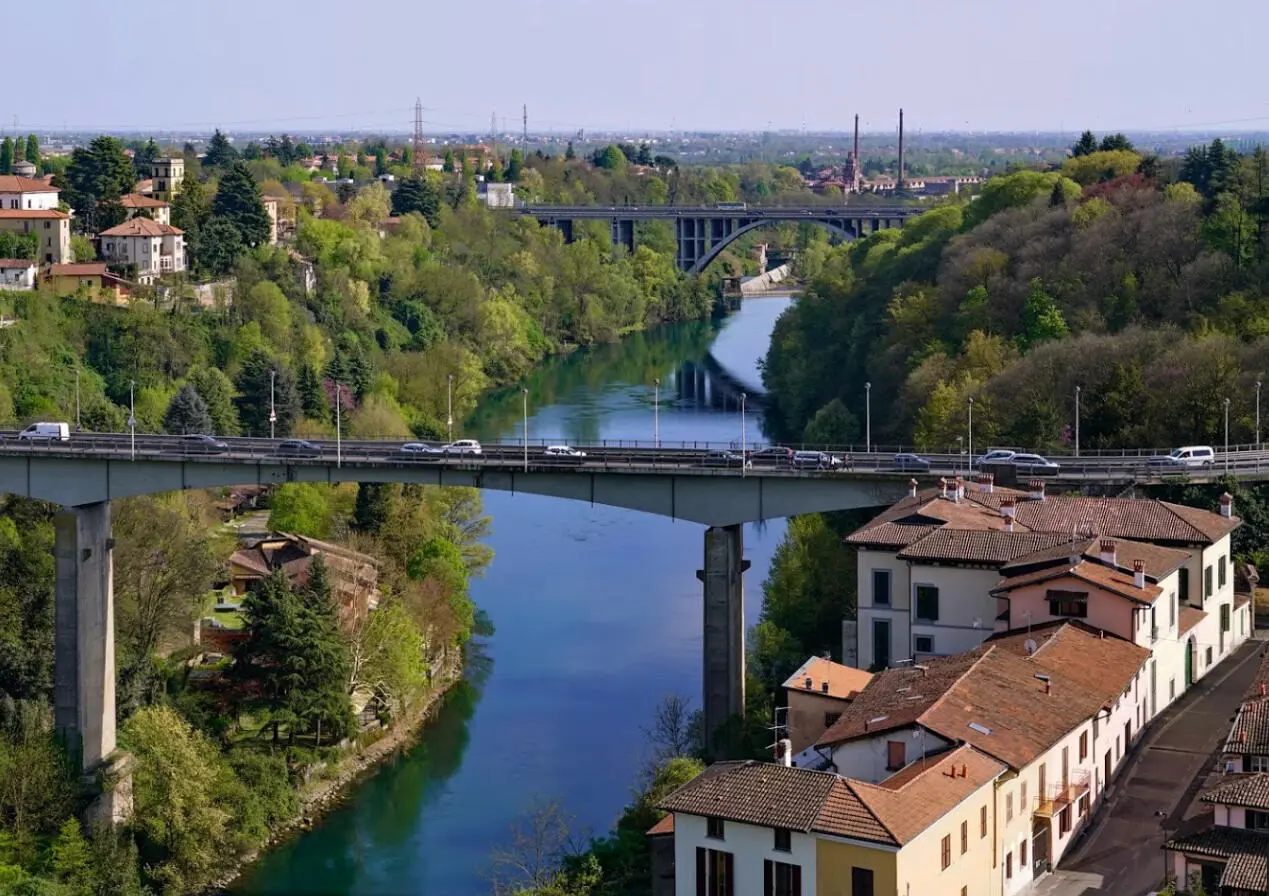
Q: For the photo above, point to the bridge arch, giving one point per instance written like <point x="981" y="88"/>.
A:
<point x="845" y="232"/>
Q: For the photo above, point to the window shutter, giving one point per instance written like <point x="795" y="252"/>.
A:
<point x="729" y="868"/>
<point x="700" y="871"/>
<point x="768" y="878"/>
<point x="797" y="880"/>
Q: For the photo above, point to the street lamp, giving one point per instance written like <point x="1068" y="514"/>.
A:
<point x="1077" y="421"/>
<point x="971" y="433"/>
<point x="743" y="454"/>
<point x="656" y="413"/>
<point x="449" y="405"/>
<point x="524" y="393"/>
<point x="77" y="399"/>
<point x="1258" y="414"/>
<point x="273" y="411"/>
<point x="339" y="454"/>
<point x="867" y="418"/>
<point x="132" y="416"/>
<point x="1226" y="435"/>
<point x="960" y="450"/>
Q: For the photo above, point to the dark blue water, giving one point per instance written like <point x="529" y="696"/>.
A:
<point x="598" y="616"/>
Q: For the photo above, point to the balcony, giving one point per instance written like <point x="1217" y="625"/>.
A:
<point x="1062" y="795"/>
<point x="165" y="263"/>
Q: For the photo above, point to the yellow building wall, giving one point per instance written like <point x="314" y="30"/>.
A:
<point x="834" y="861"/>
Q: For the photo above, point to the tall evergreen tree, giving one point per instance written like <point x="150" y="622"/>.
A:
<point x="6" y="156"/>
<point x="312" y="398"/>
<point x="220" y="152"/>
<point x="218" y="392"/>
<point x="97" y="176"/>
<point x="33" y="149"/>
<point x="416" y="194"/>
<point x="374" y="506"/>
<point x="1085" y="145"/>
<point x="187" y="413"/>
<point x="253" y="399"/>
<point x="238" y="201"/>
<point x="515" y="166"/>
<point x="144" y="157"/>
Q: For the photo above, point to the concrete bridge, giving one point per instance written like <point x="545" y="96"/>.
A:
<point x="702" y="232"/>
<point x="687" y="481"/>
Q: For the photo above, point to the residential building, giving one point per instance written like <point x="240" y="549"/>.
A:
<point x="17" y="273"/>
<point x="354" y="576"/>
<point x="50" y="226"/>
<point x="18" y="192"/>
<point x="763" y="829"/>
<point x="1247" y="748"/>
<point x="91" y="280"/>
<point x="23" y="168"/>
<point x="496" y="195"/>
<point x="1229" y="853"/>
<point x="817" y="694"/>
<point x="167" y="175"/>
<point x="270" y="204"/>
<point x="146" y="246"/>
<point x="139" y="205"/>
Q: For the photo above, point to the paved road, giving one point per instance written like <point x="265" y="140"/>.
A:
<point x="1122" y="854"/>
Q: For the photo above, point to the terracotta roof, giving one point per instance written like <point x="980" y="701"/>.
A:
<point x="142" y="227"/>
<point x="1221" y="843"/>
<point x="779" y="796"/>
<point x="92" y="269"/>
<point x="1159" y="561"/>
<point x="1112" y="580"/>
<point x="16" y="263"/>
<point x="12" y="183"/>
<point x="893" y="535"/>
<point x="1101" y="662"/>
<point x="1261" y="678"/>
<point x="1249" y="735"/>
<point x="1246" y="871"/>
<point x="1249" y="791"/>
<point x="843" y="681"/>
<point x="664" y="826"/>
<point x="36" y="213"/>
<point x="1190" y="617"/>
<point x="990" y="547"/>
<point x="136" y="200"/>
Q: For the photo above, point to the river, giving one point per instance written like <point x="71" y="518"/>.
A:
<point x="597" y="616"/>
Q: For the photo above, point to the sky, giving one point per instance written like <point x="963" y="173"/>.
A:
<point x="654" y="65"/>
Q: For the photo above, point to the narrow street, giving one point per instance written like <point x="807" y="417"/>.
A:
<point x="1121" y="854"/>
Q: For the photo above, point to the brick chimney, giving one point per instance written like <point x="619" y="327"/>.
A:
<point x="1227" y="505"/>
<point x="1139" y="573"/>
<point x="912" y="487"/>
<point x="1036" y="489"/>
<point x="988" y="481"/>
<point x="960" y="489"/>
<point x="1108" y="551"/>
<point x="1008" y="509"/>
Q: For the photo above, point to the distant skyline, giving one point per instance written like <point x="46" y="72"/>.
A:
<point x="658" y="65"/>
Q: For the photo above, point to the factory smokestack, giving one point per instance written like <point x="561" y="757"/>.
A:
<point x="899" y="182"/>
<point x="856" y="136"/>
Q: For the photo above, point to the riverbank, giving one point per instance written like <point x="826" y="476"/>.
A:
<point x="319" y="797"/>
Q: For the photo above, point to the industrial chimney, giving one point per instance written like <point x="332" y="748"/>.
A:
<point x="899" y="183"/>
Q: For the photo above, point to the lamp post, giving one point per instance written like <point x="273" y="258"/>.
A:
<point x="960" y="451"/>
<point x="77" y="399"/>
<point x="339" y="452"/>
<point x="656" y="413"/>
<point x="449" y="405"/>
<point x="132" y="416"/>
<point x="867" y="418"/>
<point x="1226" y="435"/>
<point x="970" y="464"/>
<point x="1258" y="415"/>
<point x="1077" y="421"/>
<point x="744" y="459"/>
<point x="273" y="411"/>
<point x="524" y="394"/>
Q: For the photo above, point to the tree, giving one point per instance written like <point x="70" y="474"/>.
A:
<point x="374" y="506"/>
<point x="187" y="413"/>
<point x="218" y="393"/>
<point x="675" y="731"/>
<point x="82" y="249"/>
<point x="417" y="195"/>
<point x="217" y="247"/>
<point x="1112" y="142"/>
<point x="611" y="158"/>
<point x="238" y="201"/>
<point x="70" y="860"/>
<point x="33" y="150"/>
<point x="1041" y="318"/>
<point x="515" y="166"/>
<point x="98" y="174"/>
<point x="190" y="208"/>
<point x="569" y="152"/>
<point x="541" y="840"/>
<point x="220" y="152"/>
<point x="6" y="156"/>
<point x="370" y="206"/>
<point x="312" y="396"/>
<point x="263" y="385"/>
<point x="449" y="165"/>
<point x="387" y="656"/>
<point x="832" y="425"/>
<point x="143" y="159"/>
<point x="302" y="508"/>
<point x="1086" y="144"/>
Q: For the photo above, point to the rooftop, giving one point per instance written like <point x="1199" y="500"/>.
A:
<point x="843" y="682"/>
<point x="1249" y="735"/>
<point x="1249" y="791"/>
<point x="142" y="227"/>
<point x="33" y="213"/>
<point x="92" y="269"/>
<point x="12" y="183"/>
<point x="136" y="200"/>
<point x="10" y="264"/>
<point x="1243" y="850"/>
<point x="1105" y="578"/>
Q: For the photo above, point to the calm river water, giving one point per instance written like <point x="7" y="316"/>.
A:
<point x="597" y="613"/>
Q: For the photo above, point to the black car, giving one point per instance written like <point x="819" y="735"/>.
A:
<point x="198" y="443"/>
<point x="723" y="459"/>
<point x="772" y="456"/>
<point x="298" y="448"/>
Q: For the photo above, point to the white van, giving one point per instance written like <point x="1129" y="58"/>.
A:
<point x="46" y="432"/>
<point x="1188" y="456"/>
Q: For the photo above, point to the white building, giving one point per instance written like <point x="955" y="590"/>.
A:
<point x="138" y="205"/>
<point x="167" y="175"/>
<point x="496" y="195"/>
<point x="17" y="273"/>
<point x="151" y="248"/>
<point x="26" y="193"/>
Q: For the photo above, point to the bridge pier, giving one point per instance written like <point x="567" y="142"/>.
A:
<point x="84" y="653"/>
<point x="723" y="673"/>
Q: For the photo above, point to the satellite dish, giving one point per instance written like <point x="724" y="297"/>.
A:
<point x="1031" y="646"/>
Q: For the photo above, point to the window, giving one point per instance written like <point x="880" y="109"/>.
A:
<point x="1209" y="656"/>
<point x="1082" y="806"/>
<point x="947" y="851"/>
<point x="1221" y="572"/>
<point x="1257" y="821"/>
<point x="1009" y="866"/>
<point x="861" y="883"/>
<point x="782" y="879"/>
<point x="927" y="603"/>
<point x="783" y="840"/>
<point x="1259" y="763"/>
<point x="1224" y="617"/>
<point x="715" y="872"/>
<point x="1207" y="582"/>
<point x="964" y="837"/>
<point x="896" y="755"/>
<point x="830" y="719"/>
<point x="1171" y="611"/>
<point x="1083" y="745"/>
<point x="982" y="822"/>
<point x="881" y="643"/>
<point x="714" y="828"/>
<point x="923" y="644"/>
<point x="1183" y="583"/>
<point x="1064" y="822"/>
<point x="1008" y="807"/>
<point x="881" y="587"/>
<point x="1068" y="603"/>
<point x="1022" y="854"/>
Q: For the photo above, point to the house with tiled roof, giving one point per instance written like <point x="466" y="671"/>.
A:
<point x="1062" y="729"/>
<point x="138" y="205"/>
<point x="89" y="280"/>
<point x="1226" y="851"/>
<point x="1247" y="747"/>
<point x="145" y="246"/>
<point x="354" y="576"/>
<point x="753" y="828"/>
<point x="815" y="697"/>
<point x="18" y="192"/>
<point x="17" y="273"/>
<point x="50" y="227"/>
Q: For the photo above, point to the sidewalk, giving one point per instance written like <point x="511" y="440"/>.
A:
<point x="1121" y="853"/>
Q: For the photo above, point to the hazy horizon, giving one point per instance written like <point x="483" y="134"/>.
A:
<point x="696" y="66"/>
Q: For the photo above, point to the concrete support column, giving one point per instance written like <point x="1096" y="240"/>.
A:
<point x="723" y="678"/>
<point x="84" y="658"/>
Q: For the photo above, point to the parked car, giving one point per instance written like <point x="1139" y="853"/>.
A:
<point x="462" y="446"/>
<point x="1189" y="456"/>
<point x="46" y="432"/>
<point x="815" y="460"/>
<point x="724" y="459"/>
<point x="997" y="456"/>
<point x="1034" y="465"/>
<point x="911" y="463"/>
<point x="772" y="456"/>
<point x="298" y="448"/>
<point x="199" y="443"/>
<point x="564" y="454"/>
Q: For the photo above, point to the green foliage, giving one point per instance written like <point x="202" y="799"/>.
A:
<point x="220" y="152"/>
<point x="217" y="394"/>
<point x="1103" y="165"/>
<point x="97" y="176"/>
<point x="417" y="195"/>
<point x="217" y="246"/>
<point x="832" y="425"/>
<point x="6" y="155"/>
<point x="187" y="413"/>
<point x="266" y="386"/>
<point x="19" y="245"/>
<point x="238" y="202"/>
<point x="1086" y="145"/>
<point x="301" y="508"/>
<point x="33" y="149"/>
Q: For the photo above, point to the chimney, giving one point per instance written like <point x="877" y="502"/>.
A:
<point x="912" y="487"/>
<point x="1262" y="689"/>
<point x="1009" y="523"/>
<point x="1227" y="505"/>
<point x="1108" y="551"/>
<point x="1008" y="508"/>
<point x="1139" y="573"/>
<point x="964" y="770"/>
<point x="943" y="487"/>
<point x="988" y="481"/>
<point x="960" y="489"/>
<point x="824" y="686"/>
<point x="899" y="183"/>
<point x="809" y="685"/>
<point x="784" y="752"/>
<point x="1036" y="489"/>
